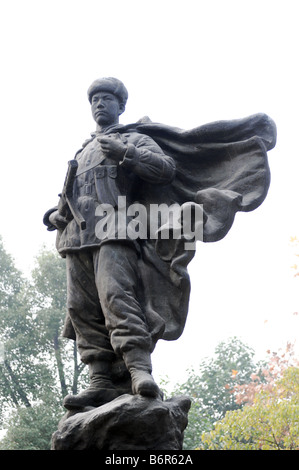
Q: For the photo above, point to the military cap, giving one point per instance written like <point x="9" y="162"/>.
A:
<point x="111" y="85"/>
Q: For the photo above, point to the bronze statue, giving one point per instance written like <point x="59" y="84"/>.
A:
<point x="128" y="285"/>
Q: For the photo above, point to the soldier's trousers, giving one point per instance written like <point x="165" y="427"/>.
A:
<point x="103" y="304"/>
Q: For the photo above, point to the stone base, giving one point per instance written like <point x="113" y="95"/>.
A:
<point x="130" y="422"/>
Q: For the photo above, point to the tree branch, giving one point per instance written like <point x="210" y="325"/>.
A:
<point x="59" y="365"/>
<point x="15" y="381"/>
<point x="10" y="390"/>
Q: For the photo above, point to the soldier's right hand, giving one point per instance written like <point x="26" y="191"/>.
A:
<point x="58" y="220"/>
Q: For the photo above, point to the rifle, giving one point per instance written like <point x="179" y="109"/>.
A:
<point x="67" y="205"/>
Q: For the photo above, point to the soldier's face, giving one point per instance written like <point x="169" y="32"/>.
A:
<point x="105" y="108"/>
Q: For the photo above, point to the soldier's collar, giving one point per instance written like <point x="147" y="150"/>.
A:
<point x="107" y="130"/>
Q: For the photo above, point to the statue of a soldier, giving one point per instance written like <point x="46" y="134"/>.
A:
<point x="126" y="292"/>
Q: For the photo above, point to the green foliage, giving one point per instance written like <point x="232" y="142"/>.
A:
<point x="31" y="428"/>
<point x="22" y="375"/>
<point x="11" y="281"/>
<point x="271" y="422"/>
<point x="39" y="367"/>
<point x="269" y="415"/>
<point x="211" y="389"/>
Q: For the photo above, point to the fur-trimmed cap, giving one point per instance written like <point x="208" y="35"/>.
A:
<point x="111" y="85"/>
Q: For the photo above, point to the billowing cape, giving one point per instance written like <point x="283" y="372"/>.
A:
<point x="221" y="165"/>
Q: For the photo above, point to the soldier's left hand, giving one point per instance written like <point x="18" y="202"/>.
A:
<point x="113" y="148"/>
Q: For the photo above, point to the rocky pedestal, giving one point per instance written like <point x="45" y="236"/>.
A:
<point x="130" y="422"/>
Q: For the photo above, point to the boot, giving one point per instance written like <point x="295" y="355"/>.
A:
<point x="100" y="391"/>
<point x="144" y="384"/>
<point x="139" y="365"/>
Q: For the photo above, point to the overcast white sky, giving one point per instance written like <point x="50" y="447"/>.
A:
<point x="184" y="64"/>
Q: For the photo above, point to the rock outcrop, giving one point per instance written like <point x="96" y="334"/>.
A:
<point x="130" y="422"/>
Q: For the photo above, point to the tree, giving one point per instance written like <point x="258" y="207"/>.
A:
<point x="17" y="338"/>
<point x="31" y="428"/>
<point x="265" y="380"/>
<point x="38" y="368"/>
<point x="212" y="388"/>
<point x="270" y="418"/>
<point x="49" y="294"/>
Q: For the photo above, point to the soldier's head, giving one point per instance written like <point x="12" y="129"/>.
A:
<point x="108" y="97"/>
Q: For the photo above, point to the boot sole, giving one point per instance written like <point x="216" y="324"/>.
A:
<point x="75" y="403"/>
